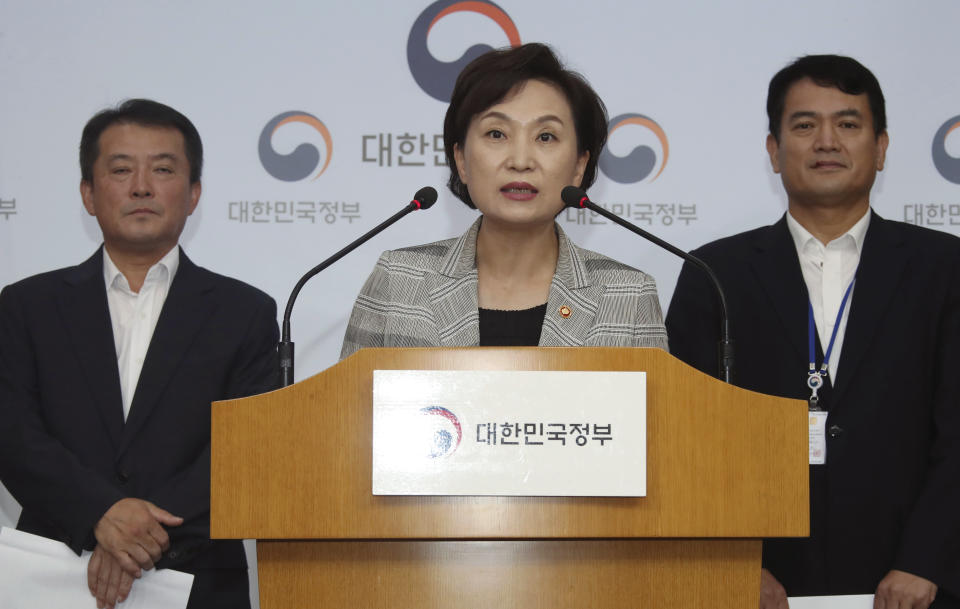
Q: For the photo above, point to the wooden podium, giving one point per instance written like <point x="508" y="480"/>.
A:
<point x="293" y="468"/>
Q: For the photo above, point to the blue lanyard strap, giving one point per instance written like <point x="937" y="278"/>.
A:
<point x="814" y="377"/>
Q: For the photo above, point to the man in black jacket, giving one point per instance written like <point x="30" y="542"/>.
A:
<point x="879" y="299"/>
<point x="108" y="368"/>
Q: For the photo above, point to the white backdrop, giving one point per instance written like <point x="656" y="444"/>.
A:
<point x="697" y="71"/>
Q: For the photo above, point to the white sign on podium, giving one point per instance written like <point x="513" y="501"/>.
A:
<point x="535" y="433"/>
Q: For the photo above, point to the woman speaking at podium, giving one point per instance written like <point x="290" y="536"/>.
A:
<point x="519" y="128"/>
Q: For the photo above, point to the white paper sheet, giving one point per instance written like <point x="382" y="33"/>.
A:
<point x="850" y="601"/>
<point x="39" y="572"/>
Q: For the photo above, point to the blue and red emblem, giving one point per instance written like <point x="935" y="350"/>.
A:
<point x="447" y="433"/>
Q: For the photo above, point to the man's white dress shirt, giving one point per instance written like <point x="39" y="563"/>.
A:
<point x="134" y="316"/>
<point x="827" y="271"/>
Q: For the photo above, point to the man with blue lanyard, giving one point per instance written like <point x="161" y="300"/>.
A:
<point x="860" y="316"/>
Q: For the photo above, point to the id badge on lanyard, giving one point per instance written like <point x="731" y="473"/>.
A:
<point x="815" y="380"/>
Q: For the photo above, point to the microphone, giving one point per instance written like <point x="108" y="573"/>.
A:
<point x="577" y="198"/>
<point x="424" y="199"/>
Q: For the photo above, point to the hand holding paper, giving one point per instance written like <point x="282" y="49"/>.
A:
<point x="107" y="580"/>
<point x="40" y="572"/>
<point x="772" y="594"/>
<point x="131" y="531"/>
<point x="902" y="589"/>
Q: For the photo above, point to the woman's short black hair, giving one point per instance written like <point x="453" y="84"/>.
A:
<point x="490" y="78"/>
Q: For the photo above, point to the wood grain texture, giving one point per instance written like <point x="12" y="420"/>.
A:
<point x="296" y="463"/>
<point x="634" y="574"/>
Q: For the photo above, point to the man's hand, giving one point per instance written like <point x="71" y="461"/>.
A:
<point x="772" y="594"/>
<point x="901" y="590"/>
<point x="131" y="532"/>
<point x="107" y="580"/>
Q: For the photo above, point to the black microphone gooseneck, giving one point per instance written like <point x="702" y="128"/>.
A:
<point x="424" y="199"/>
<point x="577" y="198"/>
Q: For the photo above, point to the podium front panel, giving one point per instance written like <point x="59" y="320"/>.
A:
<point x="622" y="574"/>
<point x="722" y="461"/>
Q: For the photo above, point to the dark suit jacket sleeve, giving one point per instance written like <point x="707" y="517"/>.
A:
<point x="692" y="320"/>
<point x="255" y="369"/>
<point x="930" y="545"/>
<point x="35" y="466"/>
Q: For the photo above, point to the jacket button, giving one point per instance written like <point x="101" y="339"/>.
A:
<point x="123" y="476"/>
<point x="172" y="554"/>
<point x="835" y="431"/>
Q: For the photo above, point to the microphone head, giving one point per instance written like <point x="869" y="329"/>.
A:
<point x="573" y="196"/>
<point x="426" y="197"/>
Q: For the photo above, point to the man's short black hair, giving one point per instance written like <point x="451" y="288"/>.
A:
<point x="147" y="113"/>
<point x="844" y="73"/>
<point x="490" y="78"/>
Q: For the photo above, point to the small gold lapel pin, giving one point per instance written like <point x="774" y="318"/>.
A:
<point x="565" y="311"/>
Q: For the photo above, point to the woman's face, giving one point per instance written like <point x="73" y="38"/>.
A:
<point x="519" y="154"/>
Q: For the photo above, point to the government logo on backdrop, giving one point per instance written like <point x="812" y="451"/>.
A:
<point x="642" y="160"/>
<point x="305" y="158"/>
<point x="436" y="77"/>
<point x="948" y="166"/>
<point x="939" y="215"/>
<point x="444" y="431"/>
